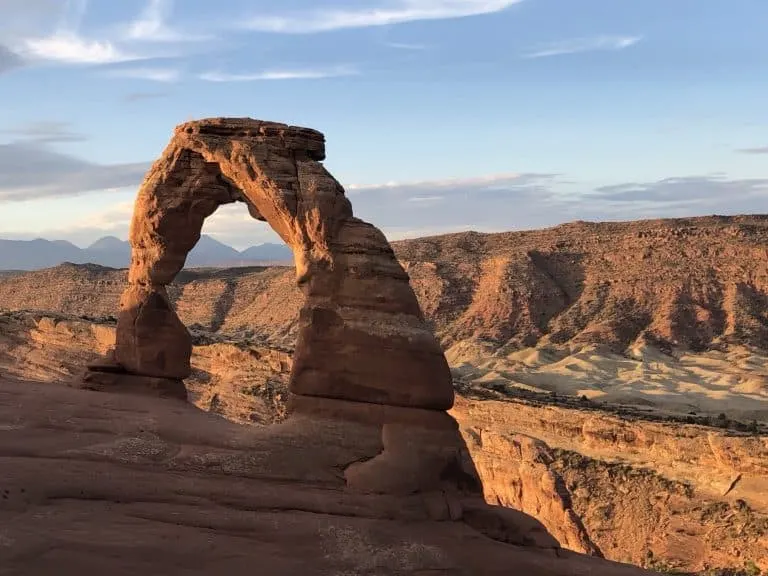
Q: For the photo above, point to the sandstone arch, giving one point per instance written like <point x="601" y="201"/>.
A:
<point x="362" y="336"/>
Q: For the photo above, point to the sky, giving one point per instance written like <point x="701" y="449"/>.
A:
<point x="440" y="115"/>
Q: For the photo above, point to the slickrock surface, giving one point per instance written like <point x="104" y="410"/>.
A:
<point x="92" y="482"/>
<point x="246" y="381"/>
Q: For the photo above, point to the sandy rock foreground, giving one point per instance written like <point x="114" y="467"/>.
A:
<point x="93" y="482"/>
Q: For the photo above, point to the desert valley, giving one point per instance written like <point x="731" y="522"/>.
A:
<point x="612" y="379"/>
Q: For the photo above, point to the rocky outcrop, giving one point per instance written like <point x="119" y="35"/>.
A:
<point x="245" y="381"/>
<point x="361" y="337"/>
<point x="364" y="353"/>
<point x="686" y="498"/>
<point x="515" y="471"/>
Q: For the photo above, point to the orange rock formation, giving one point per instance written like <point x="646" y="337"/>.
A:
<point x="362" y="335"/>
<point x="369" y="454"/>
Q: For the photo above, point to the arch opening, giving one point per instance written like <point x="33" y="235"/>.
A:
<point x="361" y="334"/>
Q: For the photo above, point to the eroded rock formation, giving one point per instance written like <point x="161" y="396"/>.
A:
<point x="362" y="336"/>
<point x="368" y="440"/>
<point x="364" y="353"/>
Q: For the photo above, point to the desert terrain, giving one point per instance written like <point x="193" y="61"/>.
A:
<point x="664" y="316"/>
<point x="363" y="470"/>
<point x="383" y="288"/>
<point x="612" y="378"/>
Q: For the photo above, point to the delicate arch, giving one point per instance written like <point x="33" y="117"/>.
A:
<point x="362" y="336"/>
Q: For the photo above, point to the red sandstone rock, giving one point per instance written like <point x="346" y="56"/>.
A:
<point x="515" y="473"/>
<point x="95" y="483"/>
<point x="362" y="343"/>
<point x="362" y="336"/>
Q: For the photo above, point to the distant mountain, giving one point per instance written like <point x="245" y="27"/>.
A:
<point x="107" y="244"/>
<point x="115" y="253"/>
<point x="266" y="252"/>
<point x="211" y="252"/>
<point x="108" y="251"/>
<point x="38" y="253"/>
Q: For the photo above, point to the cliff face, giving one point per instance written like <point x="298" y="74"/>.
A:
<point x="688" y="282"/>
<point x="690" y="497"/>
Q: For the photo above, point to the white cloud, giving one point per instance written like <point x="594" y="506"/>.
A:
<point x="695" y="191"/>
<point x="114" y="219"/>
<point x="758" y="150"/>
<point x="152" y="74"/>
<point x="69" y="48"/>
<point x="392" y="12"/>
<point x="496" y="201"/>
<point x="578" y="45"/>
<point x="22" y="19"/>
<point x="484" y="204"/>
<point x="152" y="26"/>
<point x="406" y="46"/>
<point x="295" y="74"/>
<point x="45" y="132"/>
<point x="64" y="43"/>
<point x="29" y="170"/>
<point x="492" y="181"/>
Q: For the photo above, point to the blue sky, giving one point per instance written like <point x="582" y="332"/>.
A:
<point x="440" y="115"/>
